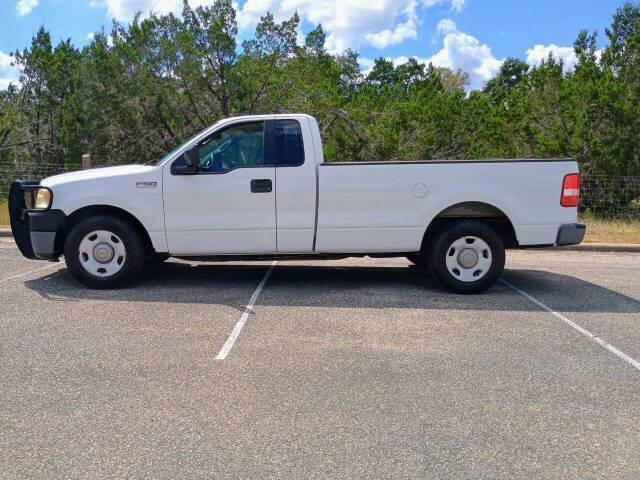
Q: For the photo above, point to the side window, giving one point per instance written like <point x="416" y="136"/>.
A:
<point x="289" y="146"/>
<point x="234" y="147"/>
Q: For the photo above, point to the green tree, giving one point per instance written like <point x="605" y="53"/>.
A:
<point x="509" y="76"/>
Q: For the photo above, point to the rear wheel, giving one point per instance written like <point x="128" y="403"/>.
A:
<point x="467" y="257"/>
<point x="104" y="252"/>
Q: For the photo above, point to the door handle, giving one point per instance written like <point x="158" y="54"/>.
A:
<point x="263" y="185"/>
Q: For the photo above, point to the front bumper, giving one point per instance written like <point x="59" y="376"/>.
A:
<point x="43" y="228"/>
<point x="34" y="232"/>
<point x="570" y="234"/>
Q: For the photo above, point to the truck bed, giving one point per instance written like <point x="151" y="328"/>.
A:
<point x="384" y="206"/>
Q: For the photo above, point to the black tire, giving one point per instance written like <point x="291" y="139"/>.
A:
<point x="157" y="259"/>
<point x="440" y="251"/>
<point x="132" y="262"/>
<point x="419" y="259"/>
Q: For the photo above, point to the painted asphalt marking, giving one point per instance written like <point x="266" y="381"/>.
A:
<point x="27" y="273"/>
<point x="577" y="327"/>
<point x="228" y="345"/>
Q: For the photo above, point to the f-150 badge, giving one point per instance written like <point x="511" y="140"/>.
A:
<point x="146" y="184"/>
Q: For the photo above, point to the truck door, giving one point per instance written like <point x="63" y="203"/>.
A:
<point x="296" y="184"/>
<point x="228" y="206"/>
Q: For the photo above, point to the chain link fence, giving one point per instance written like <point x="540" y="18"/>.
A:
<point x="610" y="197"/>
<point x="9" y="172"/>
<point x="602" y="196"/>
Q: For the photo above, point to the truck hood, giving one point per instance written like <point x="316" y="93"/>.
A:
<point x="97" y="174"/>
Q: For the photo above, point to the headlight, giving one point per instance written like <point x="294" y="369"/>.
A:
<point x="43" y="199"/>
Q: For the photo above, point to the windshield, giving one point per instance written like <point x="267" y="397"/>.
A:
<point x="158" y="162"/>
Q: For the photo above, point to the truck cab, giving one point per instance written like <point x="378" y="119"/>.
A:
<point x="253" y="189"/>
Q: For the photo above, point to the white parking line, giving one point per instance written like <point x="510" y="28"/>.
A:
<point x="577" y="327"/>
<point x="30" y="271"/>
<point x="228" y="345"/>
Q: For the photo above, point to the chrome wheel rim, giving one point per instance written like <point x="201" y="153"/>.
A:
<point x="102" y="253"/>
<point x="468" y="259"/>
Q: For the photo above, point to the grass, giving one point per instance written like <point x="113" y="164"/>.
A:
<point x="601" y="230"/>
<point x="598" y="230"/>
<point x="4" y="214"/>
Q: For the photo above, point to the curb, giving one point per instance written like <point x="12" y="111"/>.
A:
<point x="603" y="247"/>
<point x="583" y="247"/>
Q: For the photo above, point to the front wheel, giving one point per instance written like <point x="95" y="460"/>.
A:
<point x="104" y="252"/>
<point x="467" y="257"/>
<point x="418" y="259"/>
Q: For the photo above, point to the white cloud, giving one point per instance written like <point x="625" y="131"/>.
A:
<point x="348" y="23"/>
<point x="124" y="10"/>
<point x="8" y="73"/>
<point x="366" y="65"/>
<point x="446" y="26"/>
<point x="598" y="54"/>
<point x="91" y="36"/>
<point x="464" y="51"/>
<point x="402" y="31"/>
<point x="458" y="5"/>
<point x="460" y="51"/>
<point x="539" y="53"/>
<point x="23" y="7"/>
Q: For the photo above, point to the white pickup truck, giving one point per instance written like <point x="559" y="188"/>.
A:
<point x="257" y="187"/>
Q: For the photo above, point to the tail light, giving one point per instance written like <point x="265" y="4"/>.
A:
<point x="570" y="190"/>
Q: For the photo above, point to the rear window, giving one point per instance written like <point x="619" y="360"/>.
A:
<point x="289" y="146"/>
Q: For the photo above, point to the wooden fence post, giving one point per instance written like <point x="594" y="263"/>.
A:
<point x="86" y="161"/>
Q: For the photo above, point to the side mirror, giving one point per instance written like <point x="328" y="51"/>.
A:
<point x="192" y="157"/>
<point x="191" y="161"/>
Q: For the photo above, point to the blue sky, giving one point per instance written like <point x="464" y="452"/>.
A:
<point x="474" y="35"/>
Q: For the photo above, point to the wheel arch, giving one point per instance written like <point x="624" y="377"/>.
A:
<point x="477" y="211"/>
<point x="91" y="210"/>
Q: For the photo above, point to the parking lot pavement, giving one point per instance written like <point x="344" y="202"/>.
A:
<point x="13" y="264"/>
<point x="358" y="368"/>
<point x="600" y="291"/>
